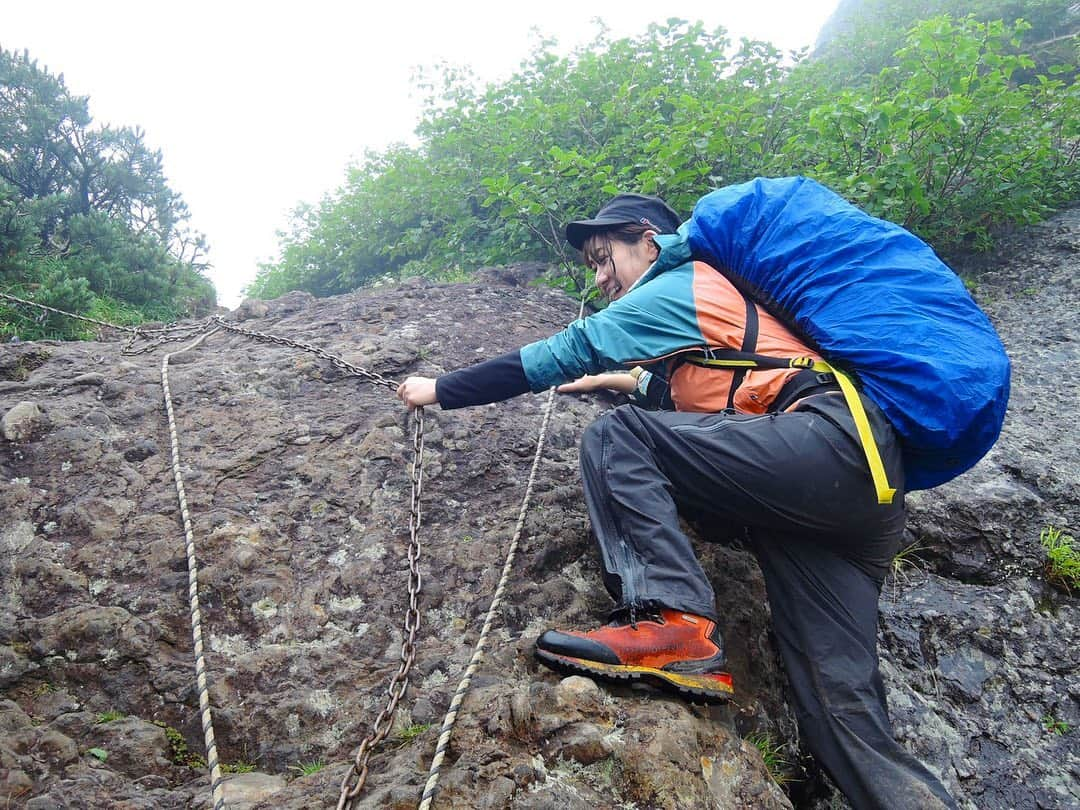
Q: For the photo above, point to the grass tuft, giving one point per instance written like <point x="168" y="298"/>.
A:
<point x="308" y="768"/>
<point x="907" y="561"/>
<point x="237" y="767"/>
<point x="1062" y="559"/>
<point x="410" y="733"/>
<point x="772" y="754"/>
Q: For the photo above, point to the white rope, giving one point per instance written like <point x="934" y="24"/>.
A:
<point x="478" y="652"/>
<point x="216" y="788"/>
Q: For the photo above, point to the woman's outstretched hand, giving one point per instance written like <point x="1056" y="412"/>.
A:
<point x="622" y="382"/>
<point x="416" y="392"/>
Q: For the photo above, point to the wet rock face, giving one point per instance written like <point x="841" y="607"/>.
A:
<point x="298" y="484"/>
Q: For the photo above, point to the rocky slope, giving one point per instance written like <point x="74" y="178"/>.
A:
<point x="297" y="478"/>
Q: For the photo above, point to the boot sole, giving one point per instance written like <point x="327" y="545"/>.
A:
<point x="710" y="688"/>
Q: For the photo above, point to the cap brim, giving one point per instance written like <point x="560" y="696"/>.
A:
<point x="578" y="232"/>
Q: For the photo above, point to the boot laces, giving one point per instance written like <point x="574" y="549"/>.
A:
<point x="629" y="616"/>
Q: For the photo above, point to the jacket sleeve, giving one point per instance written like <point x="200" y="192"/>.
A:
<point x="490" y="381"/>
<point x="651" y="321"/>
<point x="652" y="393"/>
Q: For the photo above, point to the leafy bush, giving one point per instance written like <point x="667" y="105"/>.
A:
<point x="944" y="143"/>
<point x="861" y="35"/>
<point x="943" y="140"/>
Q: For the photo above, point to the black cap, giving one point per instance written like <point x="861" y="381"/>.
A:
<point x="626" y="209"/>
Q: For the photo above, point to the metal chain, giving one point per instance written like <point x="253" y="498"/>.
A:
<point x="356" y="776"/>
<point x="354" y="780"/>
<point x="496" y="601"/>
<point x="334" y="360"/>
<point x="167" y="334"/>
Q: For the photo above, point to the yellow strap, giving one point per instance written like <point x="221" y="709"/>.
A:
<point x="862" y="424"/>
<point x="851" y="397"/>
<point x="712" y="361"/>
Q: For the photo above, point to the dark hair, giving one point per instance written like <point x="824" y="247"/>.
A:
<point x="598" y="241"/>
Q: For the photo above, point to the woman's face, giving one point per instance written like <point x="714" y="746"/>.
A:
<point x="617" y="264"/>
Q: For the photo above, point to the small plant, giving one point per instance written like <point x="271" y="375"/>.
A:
<point x="180" y="753"/>
<point x="110" y="716"/>
<point x="409" y="733"/>
<point x="1063" y="559"/>
<point x="772" y="754"/>
<point x="308" y="768"/>
<point x="98" y="753"/>
<point x="1055" y="726"/>
<point x="237" y="767"/>
<point x="906" y="562"/>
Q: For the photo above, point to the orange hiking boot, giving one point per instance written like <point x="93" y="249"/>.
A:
<point x="677" y="651"/>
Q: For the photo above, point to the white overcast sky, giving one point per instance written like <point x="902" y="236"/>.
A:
<point x="260" y="106"/>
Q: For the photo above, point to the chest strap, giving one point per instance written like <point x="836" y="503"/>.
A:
<point x="731" y="359"/>
<point x="749" y="346"/>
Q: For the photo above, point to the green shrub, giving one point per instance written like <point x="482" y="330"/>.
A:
<point x="944" y="142"/>
<point x="85" y="212"/>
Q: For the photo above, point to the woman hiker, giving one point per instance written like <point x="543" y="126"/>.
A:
<point x="775" y="451"/>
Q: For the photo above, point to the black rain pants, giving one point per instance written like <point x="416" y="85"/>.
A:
<point x="800" y="482"/>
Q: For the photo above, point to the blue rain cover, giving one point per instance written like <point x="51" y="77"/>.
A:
<point x="875" y="299"/>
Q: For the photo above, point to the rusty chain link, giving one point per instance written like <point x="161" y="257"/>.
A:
<point x="356" y="776"/>
<point x="334" y="360"/>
